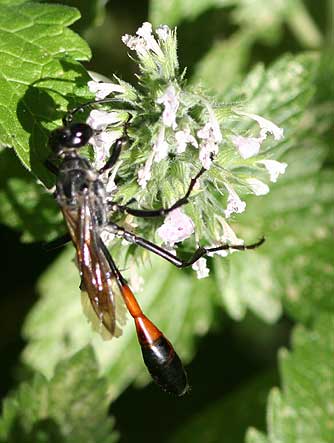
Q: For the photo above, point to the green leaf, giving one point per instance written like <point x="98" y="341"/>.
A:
<point x="248" y="283"/>
<point x="11" y="2"/>
<point x="57" y="327"/>
<point x="69" y="408"/>
<point x="173" y="12"/>
<point x="302" y="411"/>
<point x="92" y="12"/>
<point x="259" y="279"/>
<point x="228" y="57"/>
<point x="265" y="20"/>
<point x="297" y="218"/>
<point x="226" y="420"/>
<point x="24" y="204"/>
<point x="39" y="74"/>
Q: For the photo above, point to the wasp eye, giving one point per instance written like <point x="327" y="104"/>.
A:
<point x="80" y="133"/>
<point x="73" y="136"/>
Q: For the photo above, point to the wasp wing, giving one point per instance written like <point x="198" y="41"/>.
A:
<point x="97" y="277"/>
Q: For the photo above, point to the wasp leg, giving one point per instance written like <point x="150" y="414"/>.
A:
<point x="58" y="242"/>
<point x="161" y="211"/>
<point x="51" y="167"/>
<point x="163" y="253"/>
<point x="115" y="153"/>
<point x="117" y="147"/>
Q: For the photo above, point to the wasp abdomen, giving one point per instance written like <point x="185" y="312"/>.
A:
<point x="165" y="366"/>
<point x="160" y="358"/>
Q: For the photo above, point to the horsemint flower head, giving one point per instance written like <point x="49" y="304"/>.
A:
<point x="175" y="130"/>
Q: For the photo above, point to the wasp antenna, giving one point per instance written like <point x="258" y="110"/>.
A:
<point x="67" y="120"/>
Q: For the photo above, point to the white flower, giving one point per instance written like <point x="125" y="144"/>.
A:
<point x="247" y="146"/>
<point x="101" y="143"/>
<point x="99" y="120"/>
<point x="145" y="31"/>
<point x="135" y="44"/>
<point x="211" y="136"/>
<point x="274" y="168"/>
<point x="176" y="227"/>
<point x="234" y="203"/>
<point x="144" y="42"/>
<point x="201" y="269"/>
<point x="250" y="146"/>
<point x="229" y="235"/>
<point x="257" y="186"/>
<point x="183" y="138"/>
<point x="163" y="32"/>
<point x="159" y="152"/>
<point x="103" y="89"/>
<point x="102" y="140"/>
<point x="266" y="126"/>
<point x="144" y="173"/>
<point x="206" y="154"/>
<point x="171" y="103"/>
<point x="208" y="147"/>
<point x="160" y="147"/>
<point x="211" y="130"/>
<point x="216" y="132"/>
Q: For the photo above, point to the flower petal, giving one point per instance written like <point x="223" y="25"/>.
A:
<point x="274" y="168"/>
<point x="176" y="227"/>
<point x="103" y="89"/>
<point x="265" y="125"/>
<point x="201" y="269"/>
<point x="257" y="186"/>
<point x="99" y="119"/>
<point x="234" y="203"/>
<point x="247" y="146"/>
<point x="171" y="103"/>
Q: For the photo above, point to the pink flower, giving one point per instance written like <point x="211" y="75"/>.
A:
<point x="176" y="227"/>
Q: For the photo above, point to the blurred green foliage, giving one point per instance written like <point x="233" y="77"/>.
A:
<point x="278" y="55"/>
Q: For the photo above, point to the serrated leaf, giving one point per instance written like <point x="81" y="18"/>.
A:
<point x="241" y="288"/>
<point x="173" y="12"/>
<point x="57" y="326"/>
<point x="281" y="92"/>
<point x="39" y="69"/>
<point x="92" y="12"/>
<point x="303" y="412"/>
<point x="298" y="218"/>
<point x="259" y="279"/>
<point x="69" y="408"/>
<point x="226" y="420"/>
<point x="296" y="262"/>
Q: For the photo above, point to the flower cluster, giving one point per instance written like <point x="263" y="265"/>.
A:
<point x="175" y="131"/>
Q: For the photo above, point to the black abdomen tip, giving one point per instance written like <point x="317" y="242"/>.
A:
<point x="165" y="366"/>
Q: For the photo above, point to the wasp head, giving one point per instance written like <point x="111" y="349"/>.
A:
<point x="72" y="136"/>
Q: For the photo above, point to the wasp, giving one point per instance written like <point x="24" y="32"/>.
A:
<point x="87" y="210"/>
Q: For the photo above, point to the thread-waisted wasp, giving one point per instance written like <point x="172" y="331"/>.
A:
<point x="87" y="210"/>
